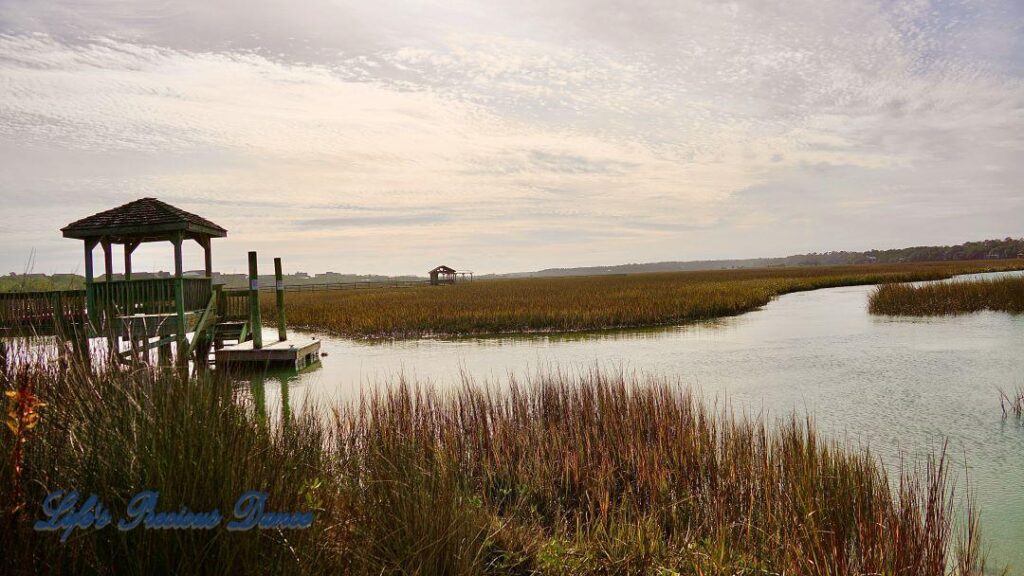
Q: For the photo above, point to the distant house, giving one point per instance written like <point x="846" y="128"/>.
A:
<point x="994" y="255"/>
<point x="871" y="259"/>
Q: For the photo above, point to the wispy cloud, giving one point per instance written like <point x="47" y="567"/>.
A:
<point x="517" y="135"/>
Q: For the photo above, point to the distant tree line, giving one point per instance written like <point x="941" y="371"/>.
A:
<point x="986" y="249"/>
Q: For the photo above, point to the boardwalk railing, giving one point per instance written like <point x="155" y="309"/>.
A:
<point x="48" y="312"/>
<point x="269" y="287"/>
<point x="151" y="295"/>
<point x="42" y="312"/>
<point x="233" y="305"/>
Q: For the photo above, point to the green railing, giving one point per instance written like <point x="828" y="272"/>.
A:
<point x="197" y="292"/>
<point x="151" y="295"/>
<point x="233" y="305"/>
<point x="46" y="312"/>
<point x="42" y="311"/>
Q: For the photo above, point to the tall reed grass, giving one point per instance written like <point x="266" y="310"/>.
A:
<point x="113" y="432"/>
<point x="1012" y="402"/>
<point x="575" y="304"/>
<point x="596" y="473"/>
<point x="947" y="298"/>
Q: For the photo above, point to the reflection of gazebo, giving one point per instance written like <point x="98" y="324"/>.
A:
<point x="447" y="275"/>
<point x="153" y="306"/>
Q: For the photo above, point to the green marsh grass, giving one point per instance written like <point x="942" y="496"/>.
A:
<point x="581" y="303"/>
<point x="948" y="298"/>
<point x="593" y="473"/>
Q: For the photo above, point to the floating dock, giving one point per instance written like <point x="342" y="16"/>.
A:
<point x="294" y="353"/>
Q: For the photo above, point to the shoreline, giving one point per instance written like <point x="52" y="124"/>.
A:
<point x="797" y="287"/>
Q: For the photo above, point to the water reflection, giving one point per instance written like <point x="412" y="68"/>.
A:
<point x="897" y="385"/>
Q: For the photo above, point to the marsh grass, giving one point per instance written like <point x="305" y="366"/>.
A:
<point x="948" y="298"/>
<point x="1012" y="402"/>
<point x="594" y="473"/>
<point x="578" y="304"/>
<point x="115" y="432"/>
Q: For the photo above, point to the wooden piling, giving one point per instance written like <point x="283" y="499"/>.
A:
<point x="255" y="321"/>
<point x="80" y="345"/>
<point x="90" y="288"/>
<point x="179" y="302"/>
<point x="282" y="331"/>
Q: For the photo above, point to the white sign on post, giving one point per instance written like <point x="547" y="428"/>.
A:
<point x="254" y="284"/>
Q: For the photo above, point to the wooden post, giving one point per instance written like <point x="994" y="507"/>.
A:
<point x="59" y="326"/>
<point x="128" y="249"/>
<point x="163" y="355"/>
<point x="255" y="322"/>
<point x="208" y="257"/>
<point x="81" y="346"/>
<point x="179" y="301"/>
<point x="108" y="260"/>
<point x="221" y="299"/>
<point x="282" y="331"/>
<point x="90" y="289"/>
<point x="113" y="338"/>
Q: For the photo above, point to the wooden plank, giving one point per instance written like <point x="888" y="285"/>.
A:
<point x="208" y="317"/>
<point x="295" y="353"/>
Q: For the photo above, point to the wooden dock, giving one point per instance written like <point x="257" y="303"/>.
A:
<point x="294" y="353"/>
<point x="189" y="313"/>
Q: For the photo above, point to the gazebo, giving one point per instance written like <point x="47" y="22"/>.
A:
<point x="155" y="312"/>
<point x="146" y="306"/>
<point x="442" y="275"/>
<point x="448" y="275"/>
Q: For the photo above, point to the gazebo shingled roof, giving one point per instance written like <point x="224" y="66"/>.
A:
<point x="146" y="219"/>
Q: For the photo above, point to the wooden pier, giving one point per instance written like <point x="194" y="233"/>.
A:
<point x="190" y="314"/>
<point x="296" y="353"/>
<point x="252" y="354"/>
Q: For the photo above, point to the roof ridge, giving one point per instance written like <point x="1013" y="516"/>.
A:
<point x="142" y="212"/>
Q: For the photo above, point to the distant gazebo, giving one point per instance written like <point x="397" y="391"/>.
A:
<point x="447" y="275"/>
<point x="442" y="275"/>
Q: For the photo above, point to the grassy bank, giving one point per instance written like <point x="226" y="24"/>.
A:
<point x="946" y="298"/>
<point x="588" y="303"/>
<point x="589" y="474"/>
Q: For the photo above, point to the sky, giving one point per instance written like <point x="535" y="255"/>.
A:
<point x="388" y="137"/>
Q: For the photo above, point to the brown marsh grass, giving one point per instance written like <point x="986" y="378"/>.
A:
<point x="581" y="303"/>
<point x="947" y="298"/>
<point x="597" y="473"/>
<point x="1012" y="402"/>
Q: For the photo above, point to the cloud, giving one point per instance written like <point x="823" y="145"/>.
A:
<point x="552" y="133"/>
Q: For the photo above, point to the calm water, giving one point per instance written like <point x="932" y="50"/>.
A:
<point x="894" y="384"/>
